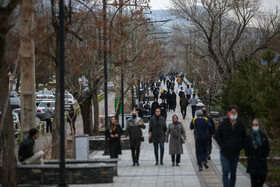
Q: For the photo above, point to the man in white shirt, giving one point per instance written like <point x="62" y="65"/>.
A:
<point x="193" y="102"/>
<point x="188" y="92"/>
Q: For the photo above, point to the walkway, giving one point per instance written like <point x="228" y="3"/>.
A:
<point x="149" y="175"/>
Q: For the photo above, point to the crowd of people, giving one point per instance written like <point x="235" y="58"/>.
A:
<point x="231" y="135"/>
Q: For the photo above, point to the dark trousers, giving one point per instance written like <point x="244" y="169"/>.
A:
<point x="178" y="158"/>
<point x="201" y="151"/>
<point x="184" y="111"/>
<point x="209" y="146"/>
<point x="229" y="166"/>
<point x="73" y="126"/>
<point x="193" y="110"/>
<point x="161" y="145"/>
<point x="135" y="151"/>
<point x="49" y="125"/>
<point x="257" y="180"/>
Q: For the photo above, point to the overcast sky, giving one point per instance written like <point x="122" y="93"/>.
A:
<point x="165" y="4"/>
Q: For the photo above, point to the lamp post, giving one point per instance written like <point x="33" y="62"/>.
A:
<point x="62" y="181"/>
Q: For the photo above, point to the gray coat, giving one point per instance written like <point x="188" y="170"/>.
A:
<point x="175" y="145"/>
<point x="158" y="128"/>
<point x="48" y="112"/>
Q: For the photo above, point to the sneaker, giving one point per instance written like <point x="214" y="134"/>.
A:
<point x="133" y="164"/>
<point x="156" y="163"/>
<point x="200" y="168"/>
<point x="137" y="163"/>
<point x="205" y="165"/>
<point x="173" y="164"/>
<point x="161" y="163"/>
<point x="177" y="164"/>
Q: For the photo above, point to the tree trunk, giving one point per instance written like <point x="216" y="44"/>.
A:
<point x="86" y="111"/>
<point x="96" y="113"/>
<point x="7" y="130"/>
<point x="27" y="67"/>
<point x="56" y="122"/>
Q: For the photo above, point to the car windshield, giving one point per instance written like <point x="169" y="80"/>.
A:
<point x="44" y="92"/>
<point x="14" y="118"/>
<point x="68" y="96"/>
<point x="44" y="104"/>
<point x="14" y="101"/>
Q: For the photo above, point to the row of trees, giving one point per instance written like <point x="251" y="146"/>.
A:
<point x="213" y="35"/>
<point x="120" y="31"/>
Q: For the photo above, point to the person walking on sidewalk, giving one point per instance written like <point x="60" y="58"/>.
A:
<point x="230" y="136"/>
<point x="163" y="109"/>
<point x="184" y="103"/>
<point x="155" y="105"/>
<point x="135" y="135"/>
<point x="177" y="138"/>
<point x="25" y="152"/>
<point x="113" y="133"/>
<point x="188" y="92"/>
<point x="48" y="116"/>
<point x="200" y="125"/>
<point x="71" y="119"/>
<point x="212" y="129"/>
<point x="157" y="131"/>
<point x="193" y="102"/>
<point x="257" y="150"/>
<point x="172" y="104"/>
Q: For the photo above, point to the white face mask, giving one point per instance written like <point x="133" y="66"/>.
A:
<point x="233" y="117"/>
<point x="255" y="128"/>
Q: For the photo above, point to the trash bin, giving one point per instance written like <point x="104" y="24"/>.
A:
<point x="81" y="147"/>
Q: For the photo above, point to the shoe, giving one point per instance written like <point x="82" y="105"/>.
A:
<point x="200" y="168"/>
<point x="205" y="165"/>
<point x="209" y="157"/>
<point x="173" y="164"/>
<point x="137" y="163"/>
<point x="161" y="163"/>
<point x="177" y="164"/>
<point x="156" y="163"/>
<point x="133" y="164"/>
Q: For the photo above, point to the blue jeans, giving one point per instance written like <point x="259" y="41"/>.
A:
<point x="161" y="145"/>
<point x="201" y="151"/>
<point x="193" y="110"/>
<point x="229" y="166"/>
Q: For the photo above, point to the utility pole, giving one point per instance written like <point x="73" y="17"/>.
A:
<point x="27" y="67"/>
<point x="106" y="151"/>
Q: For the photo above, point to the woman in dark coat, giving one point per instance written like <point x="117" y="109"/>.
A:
<point x="172" y="104"/>
<point x="257" y="149"/>
<point x="114" y="132"/>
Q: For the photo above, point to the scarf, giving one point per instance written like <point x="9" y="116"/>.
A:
<point x="256" y="137"/>
<point x="175" y="132"/>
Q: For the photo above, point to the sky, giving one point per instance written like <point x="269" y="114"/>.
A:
<point x="165" y="4"/>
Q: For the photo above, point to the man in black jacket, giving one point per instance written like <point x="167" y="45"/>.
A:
<point x="25" y="152"/>
<point x="184" y="104"/>
<point x="230" y="136"/>
<point x="157" y="131"/>
<point x="155" y="105"/>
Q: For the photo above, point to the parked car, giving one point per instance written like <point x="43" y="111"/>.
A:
<point x="41" y="107"/>
<point x="69" y="100"/>
<point x="15" y="102"/>
<point x="44" y="95"/>
<point x="16" y="121"/>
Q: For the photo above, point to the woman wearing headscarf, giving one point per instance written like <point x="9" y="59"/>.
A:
<point x="257" y="149"/>
<point x="177" y="137"/>
<point x="114" y="132"/>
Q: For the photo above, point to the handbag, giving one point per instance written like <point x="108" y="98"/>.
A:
<point x="142" y="139"/>
<point x="182" y="141"/>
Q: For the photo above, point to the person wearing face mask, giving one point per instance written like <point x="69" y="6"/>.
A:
<point x="157" y="131"/>
<point x="134" y="135"/>
<point x="257" y="150"/>
<point x="25" y="152"/>
<point x="230" y="136"/>
<point x="177" y="137"/>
